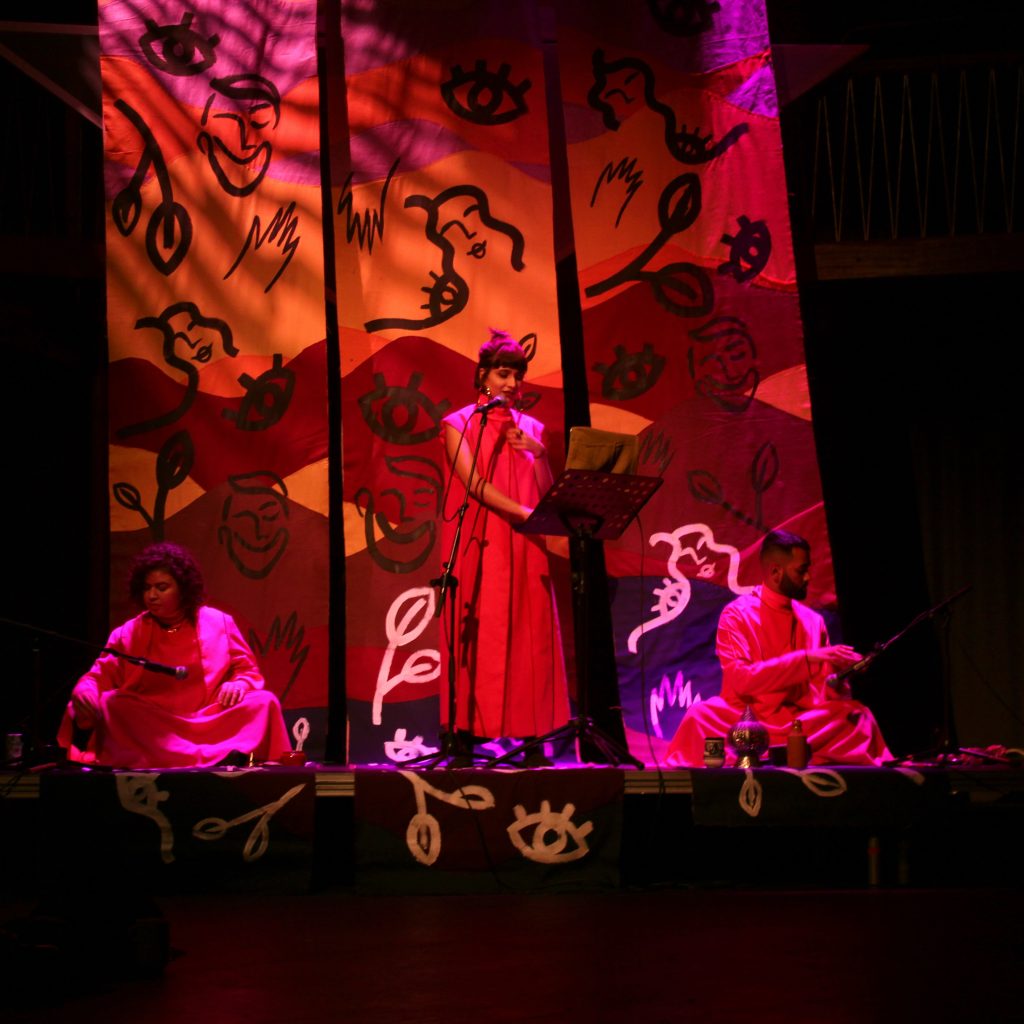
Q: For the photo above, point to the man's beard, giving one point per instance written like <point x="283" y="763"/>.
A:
<point x="794" y="591"/>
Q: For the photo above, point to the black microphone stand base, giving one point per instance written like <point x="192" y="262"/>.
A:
<point x="584" y="731"/>
<point x="455" y="752"/>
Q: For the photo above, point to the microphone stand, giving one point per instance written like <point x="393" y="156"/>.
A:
<point x="881" y="648"/>
<point x="35" y="744"/>
<point x="947" y="749"/>
<point x="445" y="583"/>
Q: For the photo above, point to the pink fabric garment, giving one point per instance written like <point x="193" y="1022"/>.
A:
<point x="762" y="642"/>
<point x="150" y="720"/>
<point x="510" y="678"/>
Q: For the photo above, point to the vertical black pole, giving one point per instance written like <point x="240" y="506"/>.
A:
<point x="330" y="72"/>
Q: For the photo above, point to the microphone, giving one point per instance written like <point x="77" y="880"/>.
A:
<point x="178" y="671"/>
<point x="838" y="678"/>
<point x="494" y="403"/>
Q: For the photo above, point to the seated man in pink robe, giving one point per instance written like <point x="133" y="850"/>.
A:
<point x="776" y="657"/>
<point x="140" y="718"/>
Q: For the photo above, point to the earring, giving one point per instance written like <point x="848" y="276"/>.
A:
<point x="485" y="391"/>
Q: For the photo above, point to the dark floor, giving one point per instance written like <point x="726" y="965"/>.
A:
<point x="716" y="955"/>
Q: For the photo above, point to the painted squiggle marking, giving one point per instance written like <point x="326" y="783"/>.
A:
<point x="258" y="840"/>
<point x="751" y="794"/>
<point x="139" y="794"/>
<point x="672" y="598"/>
<point x="421" y="667"/>
<point x="402" y="749"/>
<point x="821" y="782"/>
<point x="423" y="835"/>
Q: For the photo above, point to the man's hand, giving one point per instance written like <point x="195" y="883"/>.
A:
<point x="839" y="656"/>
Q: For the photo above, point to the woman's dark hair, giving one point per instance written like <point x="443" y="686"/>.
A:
<point x="500" y="350"/>
<point x="178" y="562"/>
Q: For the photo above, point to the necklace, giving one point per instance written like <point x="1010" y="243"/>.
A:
<point x="169" y="629"/>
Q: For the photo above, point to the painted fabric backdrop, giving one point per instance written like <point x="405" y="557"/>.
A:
<point x="443" y="226"/>
<point x="215" y="293"/>
<point x="692" y="330"/>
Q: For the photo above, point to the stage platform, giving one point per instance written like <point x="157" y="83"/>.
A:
<point x="386" y="830"/>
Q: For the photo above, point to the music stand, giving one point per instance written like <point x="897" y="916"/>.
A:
<point x="586" y="505"/>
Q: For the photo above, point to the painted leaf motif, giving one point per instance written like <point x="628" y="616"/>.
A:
<point x="751" y="795"/>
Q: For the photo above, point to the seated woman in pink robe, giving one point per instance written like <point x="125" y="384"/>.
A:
<point x="776" y="657"/>
<point x="140" y="718"/>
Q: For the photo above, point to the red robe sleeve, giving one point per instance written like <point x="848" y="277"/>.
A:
<point x="764" y="656"/>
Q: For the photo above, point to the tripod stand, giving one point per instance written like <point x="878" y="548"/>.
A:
<point x="585" y="506"/>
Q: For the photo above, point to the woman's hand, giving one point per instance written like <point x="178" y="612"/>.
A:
<point x="523" y="442"/>
<point x="231" y="693"/>
<point x="85" y="703"/>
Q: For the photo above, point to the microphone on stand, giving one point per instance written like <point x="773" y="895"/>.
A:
<point x="494" y="403"/>
<point x="178" y="671"/>
<point x="837" y="678"/>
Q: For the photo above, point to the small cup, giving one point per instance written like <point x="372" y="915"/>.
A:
<point x="714" y="751"/>
<point x="14" y="747"/>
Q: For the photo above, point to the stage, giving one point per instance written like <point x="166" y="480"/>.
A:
<point x="390" y="830"/>
<point x="580" y="892"/>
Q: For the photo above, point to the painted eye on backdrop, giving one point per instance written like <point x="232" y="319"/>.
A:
<point x="176" y="49"/>
<point x="396" y="412"/>
<point x="556" y="837"/>
<point x="267" y="397"/>
<point x="631" y="374"/>
<point x="485" y="97"/>
<point x="445" y="297"/>
<point x="690" y="147"/>
<point x="749" y="249"/>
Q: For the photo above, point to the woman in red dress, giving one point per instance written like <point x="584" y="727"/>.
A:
<point x="510" y="678"/>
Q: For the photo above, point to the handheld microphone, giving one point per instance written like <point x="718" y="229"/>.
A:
<point x="494" y="403"/>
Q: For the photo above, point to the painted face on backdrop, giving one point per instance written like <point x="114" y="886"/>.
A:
<point x="194" y="337"/>
<point x="723" y="363"/>
<point x="254" y="520"/>
<point x="236" y="138"/>
<point x="161" y="596"/>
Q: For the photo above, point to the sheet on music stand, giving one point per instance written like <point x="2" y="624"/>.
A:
<point x="600" y="505"/>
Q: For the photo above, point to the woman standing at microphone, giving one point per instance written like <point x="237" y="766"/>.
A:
<point x="213" y="706"/>
<point x="510" y="671"/>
